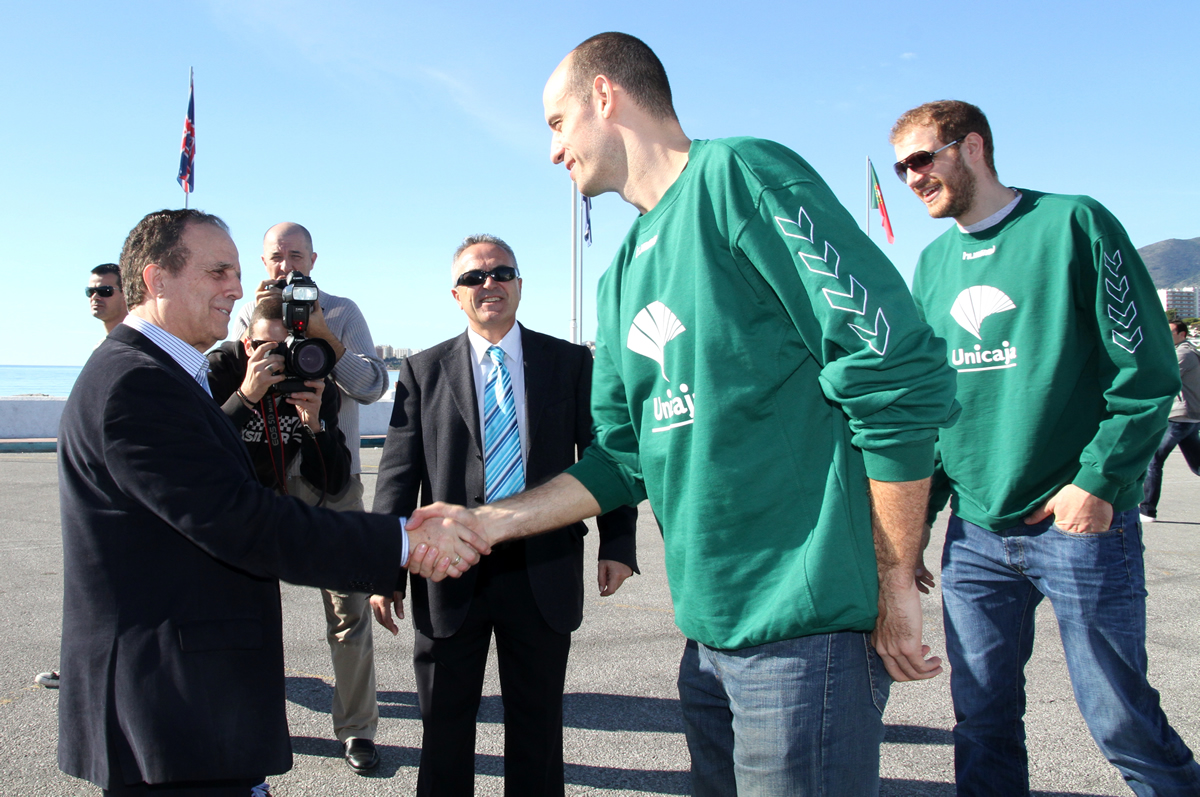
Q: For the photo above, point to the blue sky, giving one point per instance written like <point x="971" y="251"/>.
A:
<point x="392" y="130"/>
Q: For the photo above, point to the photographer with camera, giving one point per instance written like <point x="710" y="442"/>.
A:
<point x="293" y="436"/>
<point x="361" y="378"/>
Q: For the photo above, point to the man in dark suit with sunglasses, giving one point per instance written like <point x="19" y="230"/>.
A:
<point x="105" y="296"/>
<point x="1066" y="377"/>
<point x="449" y="441"/>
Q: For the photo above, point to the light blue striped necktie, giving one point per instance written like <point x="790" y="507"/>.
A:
<point x="503" y="470"/>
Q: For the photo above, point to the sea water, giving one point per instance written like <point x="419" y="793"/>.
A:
<point x="53" y="380"/>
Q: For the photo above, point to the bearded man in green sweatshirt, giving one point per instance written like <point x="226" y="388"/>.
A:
<point x="763" y="379"/>
<point x="1065" y="376"/>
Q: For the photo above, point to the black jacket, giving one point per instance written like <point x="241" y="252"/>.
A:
<point x="433" y="453"/>
<point x="172" y="642"/>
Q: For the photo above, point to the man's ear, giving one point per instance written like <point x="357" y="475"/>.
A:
<point x="603" y="95"/>
<point x="972" y="148"/>
<point x="152" y="279"/>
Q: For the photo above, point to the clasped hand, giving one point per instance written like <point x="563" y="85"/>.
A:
<point x="444" y="540"/>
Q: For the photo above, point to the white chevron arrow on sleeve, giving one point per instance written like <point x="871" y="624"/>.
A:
<point x="831" y="261"/>
<point x="1118" y="290"/>
<point x="871" y="336"/>
<point x="1124" y="319"/>
<point x="1128" y="342"/>
<point x="845" y="301"/>
<point x="1113" y="263"/>
<point x="802" y="228"/>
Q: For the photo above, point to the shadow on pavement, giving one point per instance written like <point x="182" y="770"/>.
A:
<point x="394" y="757"/>
<point x="895" y="787"/>
<point x="916" y="734"/>
<point x="584" y="710"/>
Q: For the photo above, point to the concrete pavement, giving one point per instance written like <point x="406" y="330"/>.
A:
<point x="623" y="729"/>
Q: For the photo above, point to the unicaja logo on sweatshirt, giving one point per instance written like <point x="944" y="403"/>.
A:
<point x="652" y="329"/>
<point x="970" y="308"/>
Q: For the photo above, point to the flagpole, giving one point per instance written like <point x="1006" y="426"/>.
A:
<point x="867" y="216"/>
<point x="574" y="257"/>
<point x="582" y="290"/>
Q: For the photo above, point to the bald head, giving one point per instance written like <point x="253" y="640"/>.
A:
<point x="289" y="228"/>
<point x="287" y="247"/>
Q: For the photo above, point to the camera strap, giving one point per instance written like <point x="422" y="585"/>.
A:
<point x="274" y="436"/>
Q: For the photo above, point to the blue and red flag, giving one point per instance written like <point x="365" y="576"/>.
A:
<point x="187" y="147"/>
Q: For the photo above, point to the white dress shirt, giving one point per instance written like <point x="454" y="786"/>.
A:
<point x="514" y="361"/>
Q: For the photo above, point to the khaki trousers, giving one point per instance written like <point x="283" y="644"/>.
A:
<point x="348" y="623"/>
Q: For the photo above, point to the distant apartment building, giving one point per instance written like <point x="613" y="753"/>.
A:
<point x="385" y="352"/>
<point x="1184" y="301"/>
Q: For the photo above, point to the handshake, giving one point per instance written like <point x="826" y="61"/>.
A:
<point x="445" y="540"/>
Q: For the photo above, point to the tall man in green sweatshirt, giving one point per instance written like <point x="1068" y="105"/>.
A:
<point x="1065" y="376"/>
<point x="762" y="377"/>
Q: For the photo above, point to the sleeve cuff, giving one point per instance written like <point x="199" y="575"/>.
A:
<point x="1097" y="485"/>
<point x="403" y="543"/>
<point x="602" y="481"/>
<point x="906" y="463"/>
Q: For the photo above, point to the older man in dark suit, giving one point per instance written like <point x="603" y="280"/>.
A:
<point x="477" y="418"/>
<point x="172" y="646"/>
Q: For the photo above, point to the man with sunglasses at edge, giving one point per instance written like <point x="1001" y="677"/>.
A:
<point x="477" y="418"/>
<point x="105" y="296"/>
<point x="361" y="378"/>
<point x="763" y="378"/>
<point x="1065" y="377"/>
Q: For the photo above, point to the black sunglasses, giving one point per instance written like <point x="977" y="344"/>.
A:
<point x="103" y="290"/>
<point x="474" y="278"/>
<point x="920" y="161"/>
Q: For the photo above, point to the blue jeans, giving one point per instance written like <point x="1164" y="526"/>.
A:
<point x="991" y="584"/>
<point x="1187" y="437"/>
<point x="799" y="717"/>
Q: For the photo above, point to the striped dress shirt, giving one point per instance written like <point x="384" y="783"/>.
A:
<point x="188" y="357"/>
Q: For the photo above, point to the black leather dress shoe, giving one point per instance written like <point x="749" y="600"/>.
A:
<point x="361" y="755"/>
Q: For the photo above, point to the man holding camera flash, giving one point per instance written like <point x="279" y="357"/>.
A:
<point x="361" y="378"/>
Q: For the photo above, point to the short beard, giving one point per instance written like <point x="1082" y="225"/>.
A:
<point x="959" y="188"/>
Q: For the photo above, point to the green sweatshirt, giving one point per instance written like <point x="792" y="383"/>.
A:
<point x="1064" y="359"/>
<point x="757" y="359"/>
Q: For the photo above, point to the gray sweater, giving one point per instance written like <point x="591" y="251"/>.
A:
<point x="1187" y="404"/>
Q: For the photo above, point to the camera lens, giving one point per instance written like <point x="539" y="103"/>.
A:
<point x="311" y="358"/>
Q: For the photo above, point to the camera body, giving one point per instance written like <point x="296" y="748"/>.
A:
<point x="304" y="358"/>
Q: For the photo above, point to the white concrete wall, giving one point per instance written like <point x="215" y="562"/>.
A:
<point x="30" y="416"/>
<point x="373" y="418"/>
<point x="38" y="416"/>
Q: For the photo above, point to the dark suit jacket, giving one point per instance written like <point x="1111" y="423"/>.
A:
<point x="434" y="451"/>
<point x="172" y="644"/>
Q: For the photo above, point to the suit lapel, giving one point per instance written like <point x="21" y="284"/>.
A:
<point x="460" y="372"/>
<point x="538" y="377"/>
<point x="129" y="335"/>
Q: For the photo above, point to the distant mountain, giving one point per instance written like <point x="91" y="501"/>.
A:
<point x="1173" y="263"/>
